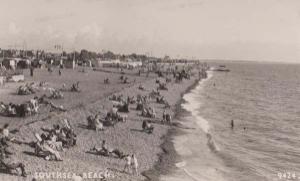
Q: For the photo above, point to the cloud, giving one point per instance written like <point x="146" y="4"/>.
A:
<point x="54" y="17"/>
<point x="180" y="4"/>
<point x="94" y="0"/>
<point x="13" y="29"/>
<point x="93" y="30"/>
<point x="191" y="4"/>
<point x="88" y="36"/>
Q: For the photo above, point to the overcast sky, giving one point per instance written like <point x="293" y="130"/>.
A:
<point x="217" y="29"/>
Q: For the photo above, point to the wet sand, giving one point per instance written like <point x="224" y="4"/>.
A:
<point x="168" y="158"/>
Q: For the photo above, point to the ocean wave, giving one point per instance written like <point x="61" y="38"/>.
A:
<point x="193" y="105"/>
<point x="197" y="147"/>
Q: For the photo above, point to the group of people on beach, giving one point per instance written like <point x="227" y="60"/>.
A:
<point x="47" y="146"/>
<point x="56" y="139"/>
<point x="20" y="110"/>
<point x="8" y="161"/>
<point x="131" y="164"/>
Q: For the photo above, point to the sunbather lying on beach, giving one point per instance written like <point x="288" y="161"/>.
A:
<point x="94" y="122"/>
<point x="106" y="81"/>
<point x="26" y="89"/>
<point x="106" y="151"/>
<point x="55" y="94"/>
<point x="7" y="162"/>
<point x="6" y="133"/>
<point x="75" y="87"/>
<point x="46" y="149"/>
<point x="64" y="135"/>
<point x="141" y="87"/>
<point x="56" y="107"/>
<point x="147" y="127"/>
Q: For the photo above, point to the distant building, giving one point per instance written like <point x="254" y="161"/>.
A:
<point x="1" y="60"/>
<point x="71" y="64"/>
<point x="13" y="63"/>
<point x="105" y="63"/>
<point x="128" y="63"/>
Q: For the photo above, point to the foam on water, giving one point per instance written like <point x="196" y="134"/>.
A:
<point x="197" y="147"/>
<point x="192" y="104"/>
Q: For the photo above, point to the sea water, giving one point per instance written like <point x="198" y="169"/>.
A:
<point x="263" y="99"/>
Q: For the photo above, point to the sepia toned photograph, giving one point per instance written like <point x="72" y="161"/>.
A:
<point x="149" y="90"/>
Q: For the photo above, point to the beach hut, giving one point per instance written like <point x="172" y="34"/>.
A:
<point x="71" y="64"/>
<point x="107" y="63"/>
<point x="2" y="80"/>
<point x="23" y="63"/>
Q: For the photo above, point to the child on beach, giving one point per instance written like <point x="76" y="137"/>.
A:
<point x="5" y="130"/>
<point x="128" y="163"/>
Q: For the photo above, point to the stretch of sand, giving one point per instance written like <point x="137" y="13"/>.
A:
<point x="93" y="99"/>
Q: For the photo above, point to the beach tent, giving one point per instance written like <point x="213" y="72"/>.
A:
<point x="9" y="63"/>
<point x="23" y="63"/>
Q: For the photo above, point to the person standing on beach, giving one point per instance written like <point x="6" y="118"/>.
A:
<point x="135" y="164"/>
<point x="31" y="71"/>
<point x="103" y="146"/>
<point x="232" y="124"/>
<point x="5" y="130"/>
<point x="127" y="164"/>
<point x="35" y="104"/>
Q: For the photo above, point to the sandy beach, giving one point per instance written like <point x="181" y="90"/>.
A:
<point x="153" y="150"/>
<point x="139" y="90"/>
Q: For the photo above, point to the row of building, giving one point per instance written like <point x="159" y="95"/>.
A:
<point x="23" y="63"/>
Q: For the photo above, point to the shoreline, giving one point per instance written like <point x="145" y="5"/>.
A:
<point x="169" y="157"/>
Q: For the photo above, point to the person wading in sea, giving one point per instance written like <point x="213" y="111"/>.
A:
<point x="232" y="124"/>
